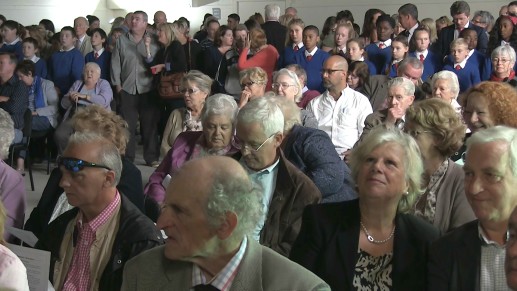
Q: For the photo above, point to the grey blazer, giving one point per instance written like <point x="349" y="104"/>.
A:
<point x="261" y="269"/>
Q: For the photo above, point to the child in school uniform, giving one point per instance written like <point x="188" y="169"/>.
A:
<point x="379" y="53"/>
<point x="344" y="32"/>
<point x="432" y="62"/>
<point x="30" y="48"/>
<point x="399" y="47"/>
<point x="294" y="43"/>
<point x="467" y="69"/>
<point x="355" y="53"/>
<point x="99" y="55"/>
<point x="311" y="58"/>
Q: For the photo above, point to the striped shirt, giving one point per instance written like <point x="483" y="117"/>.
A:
<point x="78" y="277"/>
<point x="224" y="279"/>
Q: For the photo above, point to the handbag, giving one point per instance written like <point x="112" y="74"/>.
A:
<point x="169" y="85"/>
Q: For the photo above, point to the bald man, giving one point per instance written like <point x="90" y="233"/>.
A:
<point x="83" y="43"/>
<point x="159" y="18"/>
<point x="207" y="221"/>
<point x="340" y="111"/>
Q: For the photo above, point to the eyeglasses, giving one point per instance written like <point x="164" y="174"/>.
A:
<point x="190" y="91"/>
<point x="329" y="71"/>
<point x="281" y="85"/>
<point x="243" y="146"/>
<point x="75" y="165"/>
<point x="415" y="133"/>
<point x="247" y="84"/>
<point x="502" y="61"/>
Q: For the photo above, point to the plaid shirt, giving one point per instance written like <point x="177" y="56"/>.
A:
<point x="78" y="277"/>
<point x="223" y="280"/>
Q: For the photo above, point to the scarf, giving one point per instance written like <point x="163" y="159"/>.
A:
<point x="37" y="90"/>
<point x="497" y="79"/>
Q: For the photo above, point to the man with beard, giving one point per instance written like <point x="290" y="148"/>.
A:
<point x="340" y="111"/>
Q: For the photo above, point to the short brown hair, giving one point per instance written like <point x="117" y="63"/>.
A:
<point x="257" y="38"/>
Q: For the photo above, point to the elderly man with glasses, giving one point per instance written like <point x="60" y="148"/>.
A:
<point x="285" y="189"/>
<point x="91" y="243"/>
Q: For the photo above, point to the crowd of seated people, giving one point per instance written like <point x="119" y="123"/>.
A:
<point x="381" y="158"/>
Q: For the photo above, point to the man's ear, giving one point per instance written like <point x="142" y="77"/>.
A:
<point x="228" y="225"/>
<point x="109" y="179"/>
<point x="278" y="138"/>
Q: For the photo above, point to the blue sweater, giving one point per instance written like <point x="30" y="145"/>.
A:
<point x="15" y="49"/>
<point x="313" y="68"/>
<point x="432" y="64"/>
<point x="371" y="67"/>
<point x="379" y="57"/>
<point x="390" y="70"/>
<point x="104" y="61"/>
<point x="287" y="57"/>
<point x="65" y="67"/>
<point x="468" y="76"/>
<point x="41" y="68"/>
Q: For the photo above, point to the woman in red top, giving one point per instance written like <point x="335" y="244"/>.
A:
<point x="264" y="56"/>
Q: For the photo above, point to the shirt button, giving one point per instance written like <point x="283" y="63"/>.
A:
<point x="119" y="261"/>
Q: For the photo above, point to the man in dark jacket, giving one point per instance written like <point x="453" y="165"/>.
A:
<point x="90" y="244"/>
<point x="275" y="32"/>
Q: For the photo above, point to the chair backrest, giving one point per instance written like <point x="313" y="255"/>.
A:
<point x="27" y="123"/>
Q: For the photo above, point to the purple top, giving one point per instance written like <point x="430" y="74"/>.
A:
<point x="186" y="147"/>
<point x="13" y="195"/>
<point x="102" y="95"/>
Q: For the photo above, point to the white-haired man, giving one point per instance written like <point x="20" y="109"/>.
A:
<point x="275" y="32"/>
<point x="83" y="43"/>
<point x="472" y="256"/>
<point x="207" y="220"/>
<point x="286" y="190"/>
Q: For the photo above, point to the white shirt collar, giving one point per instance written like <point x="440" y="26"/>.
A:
<point x="361" y="59"/>
<point x="305" y="89"/>
<point x="300" y="45"/>
<point x="34" y="59"/>
<point x="412" y="29"/>
<point x="386" y="43"/>
<point x="63" y="50"/>
<point x="421" y="53"/>
<point x="307" y="53"/>
<point x="99" y="52"/>
<point x="14" y="41"/>
<point x="462" y="64"/>
<point x="82" y="38"/>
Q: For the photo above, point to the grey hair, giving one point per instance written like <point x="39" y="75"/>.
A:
<point x="202" y="81"/>
<point x="94" y="65"/>
<point x="295" y="80"/>
<point x="452" y="80"/>
<point x="272" y="12"/>
<point x="504" y="50"/>
<point x="239" y="195"/>
<point x="6" y="133"/>
<point x="109" y="155"/>
<point x="144" y="15"/>
<point x="265" y="113"/>
<point x="498" y="133"/>
<point x="299" y="71"/>
<point x="412" y="159"/>
<point x="407" y="85"/>
<point x="219" y="104"/>
<point x="289" y="109"/>
<point x="410" y="61"/>
<point x="486" y="17"/>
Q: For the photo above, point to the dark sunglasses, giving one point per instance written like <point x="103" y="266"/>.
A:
<point x="75" y="165"/>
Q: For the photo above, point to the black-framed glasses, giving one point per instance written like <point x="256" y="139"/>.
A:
<point x="329" y="71"/>
<point x="243" y="146"/>
<point x="75" y="165"/>
<point x="247" y="84"/>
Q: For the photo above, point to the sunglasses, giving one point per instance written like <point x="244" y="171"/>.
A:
<point x="75" y="165"/>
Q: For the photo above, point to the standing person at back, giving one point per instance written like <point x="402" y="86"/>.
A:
<point x="134" y="82"/>
<point x="83" y="43"/>
<point x="311" y="58"/>
<point x="275" y="32"/>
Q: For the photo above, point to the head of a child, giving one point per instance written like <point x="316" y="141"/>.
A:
<point x="344" y="32"/>
<point x="470" y="36"/>
<point x="422" y="40"/>
<point x="399" y="47"/>
<point x="67" y="37"/>
<point x="506" y="28"/>
<point x="311" y="37"/>
<point x="385" y="27"/>
<point x="98" y="38"/>
<point x="296" y="30"/>
<point x="355" y="49"/>
<point x="29" y="47"/>
<point x="459" y="50"/>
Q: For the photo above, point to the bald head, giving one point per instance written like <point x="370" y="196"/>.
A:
<point x="338" y="61"/>
<point x="159" y="18"/>
<point x="334" y="73"/>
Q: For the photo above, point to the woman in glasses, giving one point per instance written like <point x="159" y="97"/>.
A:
<point x="195" y="87"/>
<point x="503" y="65"/>
<point x="217" y="119"/>
<point x="253" y="84"/>
<point x="439" y="132"/>
<point x="286" y="84"/>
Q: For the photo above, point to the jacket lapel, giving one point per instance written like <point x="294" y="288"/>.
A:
<point x="250" y="269"/>
<point x="348" y="242"/>
<point x="468" y="267"/>
<point x="178" y="274"/>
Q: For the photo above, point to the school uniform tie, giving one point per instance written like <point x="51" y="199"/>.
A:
<point x="381" y="45"/>
<point x="96" y="55"/>
<point x="422" y="58"/>
<point x="309" y="58"/>
<point x="296" y="48"/>
<point x="458" y="67"/>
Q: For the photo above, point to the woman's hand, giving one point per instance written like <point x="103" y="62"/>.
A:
<point x="75" y="96"/>
<point x="245" y="97"/>
<point x="247" y="42"/>
<point x="157" y="69"/>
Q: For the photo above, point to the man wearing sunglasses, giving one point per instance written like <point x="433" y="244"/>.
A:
<point x="91" y="243"/>
<point x="286" y="190"/>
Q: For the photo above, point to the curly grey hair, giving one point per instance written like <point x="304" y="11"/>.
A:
<point x="6" y="133"/>
<point x="220" y="104"/>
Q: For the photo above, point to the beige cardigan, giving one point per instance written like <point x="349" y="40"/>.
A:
<point x="172" y="129"/>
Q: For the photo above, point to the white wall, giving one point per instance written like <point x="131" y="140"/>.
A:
<point x="62" y="12"/>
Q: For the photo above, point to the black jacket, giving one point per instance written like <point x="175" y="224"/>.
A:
<point x="136" y="234"/>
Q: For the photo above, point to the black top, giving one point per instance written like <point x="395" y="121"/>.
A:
<point x="18" y="102"/>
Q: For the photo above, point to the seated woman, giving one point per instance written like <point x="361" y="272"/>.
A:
<point x="195" y="87"/>
<point x="287" y="84"/>
<point x="12" y="184"/>
<point x="253" y="84"/>
<point x="371" y="243"/>
<point x="312" y="151"/>
<point x="53" y="202"/>
<point x="445" y="86"/>
<point x="503" y="63"/>
<point x="439" y="132"/>
<point x="264" y="56"/>
<point x="13" y="274"/>
<point x="218" y="118"/>
<point x="90" y="90"/>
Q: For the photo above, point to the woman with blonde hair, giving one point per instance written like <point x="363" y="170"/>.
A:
<point x="430" y="26"/>
<point x="253" y="83"/>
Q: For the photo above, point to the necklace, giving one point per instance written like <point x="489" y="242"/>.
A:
<point x="372" y="240"/>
